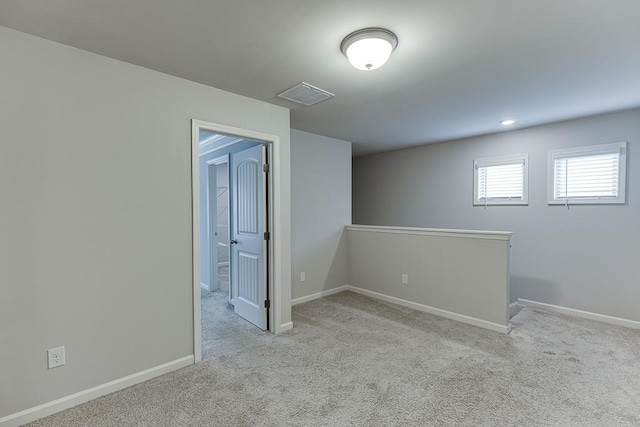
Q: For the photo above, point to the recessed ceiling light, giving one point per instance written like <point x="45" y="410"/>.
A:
<point x="369" y="48"/>
<point x="507" y="122"/>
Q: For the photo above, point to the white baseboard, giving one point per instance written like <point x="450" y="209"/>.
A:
<point x="318" y="295"/>
<point x="580" y="313"/>
<point x="514" y="308"/>
<point x="432" y="310"/>
<point x="285" y="327"/>
<point x="40" y="411"/>
<point x="204" y="286"/>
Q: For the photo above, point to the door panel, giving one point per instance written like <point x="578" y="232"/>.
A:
<point x="248" y="248"/>
<point x="248" y="277"/>
<point x="247" y="182"/>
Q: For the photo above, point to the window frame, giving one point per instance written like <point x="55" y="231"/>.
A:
<point x="498" y="161"/>
<point x="589" y="150"/>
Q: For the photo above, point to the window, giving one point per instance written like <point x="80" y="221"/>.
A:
<point x="588" y="175"/>
<point x="501" y="180"/>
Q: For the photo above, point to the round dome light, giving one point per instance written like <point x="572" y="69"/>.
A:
<point x="369" y="48"/>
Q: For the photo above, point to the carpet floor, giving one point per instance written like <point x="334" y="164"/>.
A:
<point x="354" y="361"/>
<point x="223" y="278"/>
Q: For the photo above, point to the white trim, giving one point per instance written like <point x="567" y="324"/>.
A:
<point x="46" y="409"/>
<point x="285" y="327"/>
<point x="514" y="308"/>
<point x="195" y="239"/>
<point x="432" y="310"/>
<point x="212" y="220"/>
<point x="214" y="246"/>
<point x="501" y="161"/>
<point x="589" y="150"/>
<point x="438" y="232"/>
<point x="317" y="295"/>
<point x="205" y="287"/>
<point x="584" y="314"/>
<point x="220" y="160"/>
<point x="210" y="144"/>
<point x="209" y="140"/>
<point x="279" y="262"/>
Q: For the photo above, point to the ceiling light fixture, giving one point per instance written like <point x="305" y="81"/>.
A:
<point x="507" y="122"/>
<point x="369" y="48"/>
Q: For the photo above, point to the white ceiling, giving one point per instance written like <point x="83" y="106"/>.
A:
<point x="460" y="65"/>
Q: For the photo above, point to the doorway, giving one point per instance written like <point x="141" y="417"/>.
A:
<point x="233" y="223"/>
<point x="235" y="219"/>
<point x="218" y="218"/>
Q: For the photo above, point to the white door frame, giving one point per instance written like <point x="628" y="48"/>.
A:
<point x="275" y="250"/>
<point x="213" y="219"/>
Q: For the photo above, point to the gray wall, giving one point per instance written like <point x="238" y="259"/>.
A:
<point x="452" y="273"/>
<point x="584" y="258"/>
<point x="321" y="207"/>
<point x="95" y="184"/>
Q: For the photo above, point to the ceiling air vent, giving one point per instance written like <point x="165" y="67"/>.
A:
<point x="306" y="94"/>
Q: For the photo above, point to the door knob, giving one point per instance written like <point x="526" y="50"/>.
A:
<point x="234" y="242"/>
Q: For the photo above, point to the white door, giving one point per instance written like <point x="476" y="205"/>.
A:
<point x="248" y="244"/>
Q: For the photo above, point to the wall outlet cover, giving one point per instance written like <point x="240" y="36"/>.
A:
<point x="303" y="276"/>
<point x="405" y="279"/>
<point x="56" y="357"/>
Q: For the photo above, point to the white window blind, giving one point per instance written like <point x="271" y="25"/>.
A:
<point x="588" y="174"/>
<point x="500" y="180"/>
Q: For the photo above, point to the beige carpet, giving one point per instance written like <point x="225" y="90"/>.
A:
<point x="354" y="361"/>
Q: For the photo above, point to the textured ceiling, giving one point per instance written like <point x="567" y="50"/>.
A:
<point x="459" y="68"/>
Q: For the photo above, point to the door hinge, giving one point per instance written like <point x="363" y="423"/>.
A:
<point x="267" y="235"/>
<point x="265" y="168"/>
<point x="267" y="303"/>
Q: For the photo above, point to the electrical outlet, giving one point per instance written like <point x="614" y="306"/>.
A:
<point x="303" y="276"/>
<point x="56" y="357"/>
<point x="405" y="279"/>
